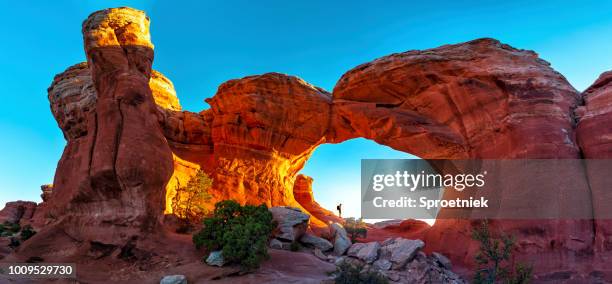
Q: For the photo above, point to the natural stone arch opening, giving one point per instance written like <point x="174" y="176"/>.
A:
<point x="336" y="169"/>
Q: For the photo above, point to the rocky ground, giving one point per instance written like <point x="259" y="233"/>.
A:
<point x="399" y="260"/>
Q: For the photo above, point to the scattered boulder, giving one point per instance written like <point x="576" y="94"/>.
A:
<point x="215" y="258"/>
<point x="341" y="239"/>
<point x="400" y="251"/>
<point x="400" y="261"/>
<point x="319" y="254"/>
<point x="277" y="244"/>
<point x="292" y="222"/>
<point x="426" y="270"/>
<point x="442" y="260"/>
<point x="393" y="275"/>
<point x="174" y="279"/>
<point x="316" y="242"/>
<point x="382" y="264"/>
<point x="368" y="252"/>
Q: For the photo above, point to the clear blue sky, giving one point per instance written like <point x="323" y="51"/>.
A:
<point x="200" y="44"/>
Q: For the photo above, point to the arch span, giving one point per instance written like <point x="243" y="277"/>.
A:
<point x="479" y="99"/>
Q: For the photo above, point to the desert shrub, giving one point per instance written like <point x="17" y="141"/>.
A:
<point x="347" y="273"/>
<point x="493" y="257"/>
<point x="241" y="232"/>
<point x="295" y="246"/>
<point x="355" y="228"/>
<point x="189" y="202"/>
<point x="14" y="243"/>
<point x="27" y="232"/>
<point x="8" y="229"/>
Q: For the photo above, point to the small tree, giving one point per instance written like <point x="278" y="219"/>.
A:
<point x="241" y="232"/>
<point x="189" y="202"/>
<point x="356" y="228"/>
<point x="493" y="257"/>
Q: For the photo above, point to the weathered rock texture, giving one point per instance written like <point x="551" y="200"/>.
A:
<point x="479" y="99"/>
<point x="594" y="132"/>
<point x="17" y="211"/>
<point x="302" y="191"/>
<point x="264" y="128"/>
<point x="109" y="185"/>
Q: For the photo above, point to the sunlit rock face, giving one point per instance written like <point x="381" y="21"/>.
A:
<point x="264" y="129"/>
<point x="110" y="183"/>
<point x="302" y="191"/>
<point x="72" y="96"/>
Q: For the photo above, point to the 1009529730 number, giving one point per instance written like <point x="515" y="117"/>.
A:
<point x="38" y="270"/>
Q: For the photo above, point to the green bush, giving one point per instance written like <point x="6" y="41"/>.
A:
<point x="27" y="232"/>
<point x="351" y="274"/>
<point x="8" y="229"/>
<point x="355" y="228"/>
<point x="493" y="257"/>
<point x="295" y="246"/>
<point x="241" y="232"/>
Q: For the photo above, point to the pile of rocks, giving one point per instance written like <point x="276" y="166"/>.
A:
<point x="400" y="260"/>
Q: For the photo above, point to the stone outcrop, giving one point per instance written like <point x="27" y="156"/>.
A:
<point x="400" y="260"/>
<point x="476" y="100"/>
<point x="302" y="191"/>
<point x="479" y="99"/>
<point x="316" y="242"/>
<point x="367" y="252"/>
<point x="292" y="223"/>
<point x="263" y="130"/>
<point x="594" y="131"/>
<point x="73" y="97"/>
<point x="47" y="192"/>
<point x="109" y="184"/>
<point x="17" y="211"/>
<point x="341" y="240"/>
<point x="129" y="144"/>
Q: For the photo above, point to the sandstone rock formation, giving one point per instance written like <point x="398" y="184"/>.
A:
<point x="399" y="260"/>
<point x="594" y="131"/>
<point x="291" y="223"/>
<point x="302" y="191"/>
<point x="480" y="99"/>
<point x="17" y="211"/>
<point x="47" y="192"/>
<point x="109" y="184"/>
<point x="340" y="239"/>
<point x="129" y="145"/>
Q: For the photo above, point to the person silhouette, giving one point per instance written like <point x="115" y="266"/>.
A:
<point x="339" y="208"/>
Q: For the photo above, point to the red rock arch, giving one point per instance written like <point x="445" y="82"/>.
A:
<point x="480" y="99"/>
